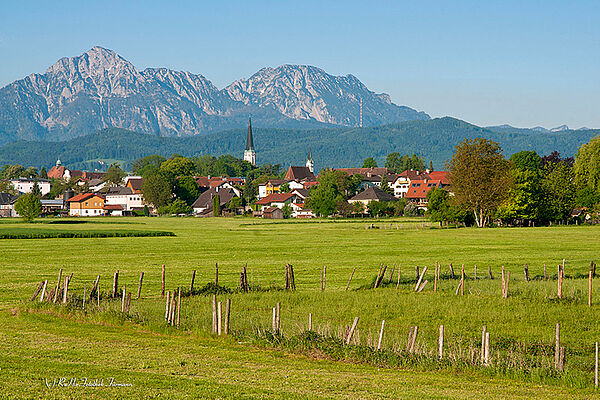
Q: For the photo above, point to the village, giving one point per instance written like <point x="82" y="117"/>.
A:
<point x="92" y="194"/>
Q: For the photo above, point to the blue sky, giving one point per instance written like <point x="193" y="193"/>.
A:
<point x="525" y="63"/>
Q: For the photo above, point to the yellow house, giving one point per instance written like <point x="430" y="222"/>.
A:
<point x="86" y="204"/>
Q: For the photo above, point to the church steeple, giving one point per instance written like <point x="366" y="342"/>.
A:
<point x="249" y="153"/>
<point x="310" y="164"/>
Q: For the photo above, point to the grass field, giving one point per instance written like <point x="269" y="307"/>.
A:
<point x="159" y="360"/>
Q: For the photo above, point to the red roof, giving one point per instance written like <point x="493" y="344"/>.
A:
<point x="83" y="197"/>
<point x="56" y="172"/>
<point x="275" y="198"/>
<point x="419" y="188"/>
<point x="203" y="181"/>
<point x="442" y="176"/>
<point x="309" y="184"/>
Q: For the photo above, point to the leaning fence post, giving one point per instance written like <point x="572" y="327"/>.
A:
<point x="43" y="290"/>
<point x="123" y="300"/>
<point x="487" y="348"/>
<point x="66" y="288"/>
<point x="590" y="289"/>
<point x="414" y="339"/>
<point x="278" y="309"/>
<point x="192" y="284"/>
<point x="380" y="335"/>
<point x="167" y="306"/>
<point x="462" y="280"/>
<point x="420" y="278"/>
<point x="352" y="328"/>
<point x="140" y="284"/>
<point x="441" y="342"/>
<point x="37" y="291"/>
<point x="350" y="280"/>
<point x="398" y="283"/>
<point x="310" y="322"/>
<point x="483" y="344"/>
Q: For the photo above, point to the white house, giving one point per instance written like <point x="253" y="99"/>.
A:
<point x="124" y="197"/>
<point x="7" y="205"/>
<point x="278" y="200"/>
<point x="25" y="185"/>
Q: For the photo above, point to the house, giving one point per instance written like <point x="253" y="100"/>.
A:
<point x="370" y="194"/>
<point x="272" y="213"/>
<point x="134" y="183"/>
<point x="302" y="194"/>
<point x="204" y="203"/>
<point x="96" y="184"/>
<point x="124" y="197"/>
<point x="7" y="204"/>
<point x="86" y="204"/>
<point x="114" y="210"/>
<point x="417" y="192"/>
<point x="278" y="200"/>
<point x="299" y="174"/>
<point x="402" y="182"/>
<point x="60" y="172"/>
<point x="25" y="185"/>
<point x="52" y="207"/>
<point x="269" y="187"/>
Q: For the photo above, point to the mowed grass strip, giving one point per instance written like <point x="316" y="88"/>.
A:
<point x="43" y="347"/>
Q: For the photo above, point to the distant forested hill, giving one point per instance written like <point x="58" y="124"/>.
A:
<point x="331" y="147"/>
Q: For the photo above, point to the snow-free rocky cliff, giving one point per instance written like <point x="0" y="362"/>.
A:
<point x="99" y="89"/>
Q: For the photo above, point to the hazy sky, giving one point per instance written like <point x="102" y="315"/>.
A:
<point x="524" y="63"/>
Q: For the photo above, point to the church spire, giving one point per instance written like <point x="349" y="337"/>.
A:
<point x="249" y="153"/>
<point x="310" y="164"/>
<point x="249" y="141"/>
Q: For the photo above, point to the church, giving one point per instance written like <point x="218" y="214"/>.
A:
<point x="303" y="172"/>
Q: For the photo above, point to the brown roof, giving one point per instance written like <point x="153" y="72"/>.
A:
<point x="203" y="181"/>
<point x="299" y="174"/>
<point x="412" y="174"/>
<point x="275" y="197"/>
<point x="135" y="184"/>
<point x="56" y="172"/>
<point x="205" y="200"/>
<point x="112" y="207"/>
<point x="375" y="194"/>
<point x="442" y="176"/>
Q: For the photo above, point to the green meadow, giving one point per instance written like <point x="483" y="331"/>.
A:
<point x="42" y="342"/>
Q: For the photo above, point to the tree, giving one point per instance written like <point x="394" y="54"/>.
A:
<point x="157" y="190"/>
<point x="525" y="198"/>
<point x="397" y="164"/>
<point x="179" y="206"/>
<point x="587" y="173"/>
<point x="28" y="206"/>
<point x="323" y="200"/>
<point x="146" y="166"/>
<point x="36" y="189"/>
<point x="287" y="211"/>
<point x="114" y="175"/>
<point x="394" y="163"/>
<point x="381" y="208"/>
<point x="217" y="205"/>
<point x="43" y="173"/>
<point x="559" y="191"/>
<point x="369" y="163"/>
<point x="479" y="177"/>
<point x="385" y="186"/>
<point x="177" y="166"/>
<point x="187" y="189"/>
<point x="12" y="171"/>
<point x="411" y="210"/>
<point x="284" y="188"/>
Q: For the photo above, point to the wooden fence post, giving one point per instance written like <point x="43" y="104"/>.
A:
<point x="483" y="344"/>
<point x="557" y="346"/>
<point x="559" y="290"/>
<point x="507" y="284"/>
<point x="173" y="309"/>
<point x="214" y="313"/>
<point x="115" y="284"/>
<point x="37" y="291"/>
<point x="462" y="280"/>
<point x="417" y="274"/>
<point x="98" y="295"/>
<point x="503" y="281"/>
<point x="350" y="280"/>
<point x="216" y="274"/>
<point x="66" y="288"/>
<point x="380" y="335"/>
<point x="167" y="306"/>
<point x="123" y="300"/>
<point x="490" y="272"/>
<point x="178" y="306"/>
<point x="420" y="278"/>
<point x="526" y="272"/>
<point x="94" y="287"/>
<point x="596" y="368"/>
<point x="451" y="271"/>
<point x="422" y="286"/>
<point x="43" y="290"/>
<point x="545" y="277"/>
<point x="324" y="278"/>
<point x="487" y="348"/>
<point x="309" y="322"/>
<point x="398" y="284"/>
<point x="140" y="284"/>
<point x="162" y="285"/>
<point x="590" y="290"/>
<point x="441" y="342"/>
<point x="192" y="284"/>
<point x="278" y="316"/>
<point x="84" y="296"/>
<point x="409" y="341"/>
<point x="414" y="339"/>
<point x="55" y="299"/>
<point x="227" y="313"/>
<point x="219" y="323"/>
<point x="475" y="272"/>
<point x="435" y="277"/>
<point x="351" y="332"/>
<point x="274" y="320"/>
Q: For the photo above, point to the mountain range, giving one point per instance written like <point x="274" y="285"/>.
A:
<point x="100" y="89"/>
